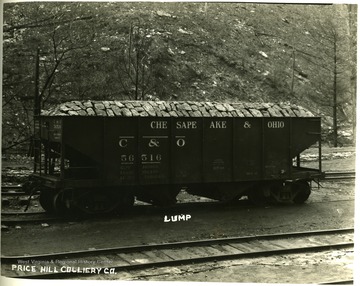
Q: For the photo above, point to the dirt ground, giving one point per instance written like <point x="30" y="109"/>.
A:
<point x="329" y="207"/>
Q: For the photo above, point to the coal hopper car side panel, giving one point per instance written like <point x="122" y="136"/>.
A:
<point x="276" y="146"/>
<point x="137" y="150"/>
<point x="217" y="150"/>
<point x="186" y="150"/>
<point x="154" y="150"/>
<point x="305" y="133"/>
<point x="159" y="150"/>
<point x="84" y="135"/>
<point x="82" y="145"/>
<point x="248" y="149"/>
<point x="120" y="150"/>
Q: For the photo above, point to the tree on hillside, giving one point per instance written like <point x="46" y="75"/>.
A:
<point x="41" y="38"/>
<point x="134" y="63"/>
<point x="75" y="44"/>
<point x="141" y="60"/>
<point x="352" y="12"/>
<point x="317" y="57"/>
<point x="333" y="42"/>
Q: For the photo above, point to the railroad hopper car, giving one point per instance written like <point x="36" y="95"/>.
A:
<point x="96" y="156"/>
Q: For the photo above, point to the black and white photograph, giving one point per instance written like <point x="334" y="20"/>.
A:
<point x="178" y="142"/>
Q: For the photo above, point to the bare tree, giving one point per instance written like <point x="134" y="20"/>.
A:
<point x="134" y="65"/>
<point x="332" y="41"/>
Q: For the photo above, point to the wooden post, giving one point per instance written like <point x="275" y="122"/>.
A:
<point x="37" y="108"/>
<point x="37" y="100"/>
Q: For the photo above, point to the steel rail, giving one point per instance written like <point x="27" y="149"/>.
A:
<point x="338" y="282"/>
<point x="176" y="262"/>
<point x="13" y="194"/>
<point x="12" y="218"/>
<point x="12" y="190"/>
<point x="10" y="187"/>
<point x="22" y="213"/>
<point x="233" y="243"/>
<point x="348" y="175"/>
<point x="176" y="244"/>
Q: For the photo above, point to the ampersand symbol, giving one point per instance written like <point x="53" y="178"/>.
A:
<point x="154" y="143"/>
<point x="247" y="124"/>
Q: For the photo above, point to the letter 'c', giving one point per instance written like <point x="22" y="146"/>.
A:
<point x="123" y="143"/>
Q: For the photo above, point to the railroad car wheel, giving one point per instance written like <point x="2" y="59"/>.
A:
<point x="302" y="191"/>
<point x="98" y="201"/>
<point x="263" y="194"/>
<point x="46" y="201"/>
<point x="257" y="197"/>
<point x="161" y="196"/>
<point x="126" y="201"/>
<point x="61" y="203"/>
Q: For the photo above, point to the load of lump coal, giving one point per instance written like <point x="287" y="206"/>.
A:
<point x="176" y="109"/>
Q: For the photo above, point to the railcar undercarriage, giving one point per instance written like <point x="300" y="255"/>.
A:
<point x="98" y="200"/>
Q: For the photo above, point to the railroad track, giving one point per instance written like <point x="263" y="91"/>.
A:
<point x="12" y="190"/>
<point x="20" y="218"/>
<point x="112" y="260"/>
<point x="339" y="282"/>
<point x="340" y="175"/>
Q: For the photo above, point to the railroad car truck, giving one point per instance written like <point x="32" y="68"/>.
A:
<point x="97" y="156"/>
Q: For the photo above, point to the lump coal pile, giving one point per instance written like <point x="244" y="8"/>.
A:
<point x="176" y="109"/>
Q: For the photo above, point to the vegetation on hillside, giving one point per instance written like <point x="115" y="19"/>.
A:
<point x="304" y="54"/>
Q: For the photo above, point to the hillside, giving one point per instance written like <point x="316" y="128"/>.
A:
<point x="225" y="52"/>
